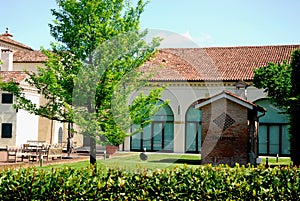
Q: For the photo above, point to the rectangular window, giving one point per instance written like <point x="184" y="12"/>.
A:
<point x="147" y="137"/>
<point x="157" y="136"/>
<point x="274" y="139"/>
<point x="168" y="136"/>
<point x="191" y="133"/>
<point x="6" y="130"/>
<point x="285" y="138"/>
<point x="7" y="98"/>
<point x="263" y="139"/>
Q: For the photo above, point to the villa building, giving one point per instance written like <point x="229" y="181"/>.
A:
<point x="18" y="126"/>
<point x="192" y="75"/>
<point x="195" y="74"/>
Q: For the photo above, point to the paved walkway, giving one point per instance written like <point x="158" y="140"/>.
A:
<point x="74" y="157"/>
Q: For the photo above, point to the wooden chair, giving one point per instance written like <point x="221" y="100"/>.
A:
<point x="13" y="153"/>
<point x="54" y="152"/>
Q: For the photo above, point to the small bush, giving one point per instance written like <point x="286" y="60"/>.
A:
<point x="184" y="183"/>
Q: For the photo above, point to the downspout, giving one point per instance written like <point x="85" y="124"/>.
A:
<point x="258" y="117"/>
<point x="263" y="114"/>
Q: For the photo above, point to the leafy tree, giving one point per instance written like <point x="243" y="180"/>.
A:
<point x="114" y="66"/>
<point x="294" y="107"/>
<point x="79" y="28"/>
<point x="281" y="82"/>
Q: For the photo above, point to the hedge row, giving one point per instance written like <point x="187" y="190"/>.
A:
<point x="185" y="183"/>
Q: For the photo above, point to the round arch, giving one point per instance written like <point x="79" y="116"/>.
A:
<point x="273" y="135"/>
<point x="158" y="135"/>
<point x="193" y="119"/>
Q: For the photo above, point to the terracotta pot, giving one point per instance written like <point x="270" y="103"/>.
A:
<point x="110" y="149"/>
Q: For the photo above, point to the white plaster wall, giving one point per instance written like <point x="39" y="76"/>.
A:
<point x="8" y="115"/>
<point x="28" y="66"/>
<point x="27" y="124"/>
<point x="7" y="59"/>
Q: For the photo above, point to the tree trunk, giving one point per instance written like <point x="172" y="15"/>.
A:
<point x="295" y="137"/>
<point x="92" y="151"/>
<point x="70" y="138"/>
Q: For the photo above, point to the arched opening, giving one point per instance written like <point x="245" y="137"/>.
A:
<point x="193" y="128"/>
<point x="273" y="135"/>
<point x="60" y="135"/>
<point x="157" y="136"/>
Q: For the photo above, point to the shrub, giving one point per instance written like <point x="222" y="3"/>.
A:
<point x="184" y="183"/>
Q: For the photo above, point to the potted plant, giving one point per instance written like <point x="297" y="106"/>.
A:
<point x="112" y="139"/>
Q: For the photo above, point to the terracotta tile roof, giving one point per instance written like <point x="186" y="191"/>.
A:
<point x="29" y="57"/>
<point x="16" y="76"/>
<point x="216" y="63"/>
<point x="232" y="96"/>
<point x="6" y="39"/>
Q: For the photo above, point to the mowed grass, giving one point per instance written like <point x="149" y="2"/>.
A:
<point x="132" y="161"/>
<point x="154" y="161"/>
<point x="273" y="161"/>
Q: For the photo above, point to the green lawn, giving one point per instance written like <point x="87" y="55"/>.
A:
<point x="133" y="162"/>
<point x="154" y="161"/>
<point x="272" y="160"/>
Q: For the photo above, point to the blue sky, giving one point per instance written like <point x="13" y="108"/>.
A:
<point x="190" y="23"/>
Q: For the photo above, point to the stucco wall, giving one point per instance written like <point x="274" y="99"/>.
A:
<point x="27" y="66"/>
<point x="27" y="124"/>
<point x="8" y="115"/>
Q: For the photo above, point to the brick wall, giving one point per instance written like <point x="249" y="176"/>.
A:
<point x="224" y="133"/>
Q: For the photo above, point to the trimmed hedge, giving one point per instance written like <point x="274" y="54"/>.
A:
<point x="185" y="183"/>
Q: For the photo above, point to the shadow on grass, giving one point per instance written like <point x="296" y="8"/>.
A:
<point x="181" y="161"/>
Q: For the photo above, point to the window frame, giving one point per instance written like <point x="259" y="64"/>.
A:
<point x="7" y="136"/>
<point x="11" y="98"/>
<point x="268" y="139"/>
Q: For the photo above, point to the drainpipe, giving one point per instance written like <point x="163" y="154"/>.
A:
<point x="263" y="114"/>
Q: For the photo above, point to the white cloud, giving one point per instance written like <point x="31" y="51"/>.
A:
<point x="176" y="40"/>
<point x="187" y="35"/>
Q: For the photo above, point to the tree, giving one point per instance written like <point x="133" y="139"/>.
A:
<point x="282" y="84"/>
<point x="294" y="108"/>
<point x="80" y="26"/>
<point x="103" y="108"/>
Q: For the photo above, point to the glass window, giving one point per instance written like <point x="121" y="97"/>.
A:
<point x="7" y="98"/>
<point x="193" y="130"/>
<point x="147" y="138"/>
<point x="159" y="134"/>
<point x="285" y="139"/>
<point x="136" y="141"/>
<point x="60" y="135"/>
<point x="190" y="141"/>
<point x="6" y="130"/>
<point x="193" y="115"/>
<point x="273" y="130"/>
<point x="168" y="136"/>
<point x="274" y="140"/>
<point x="263" y="139"/>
